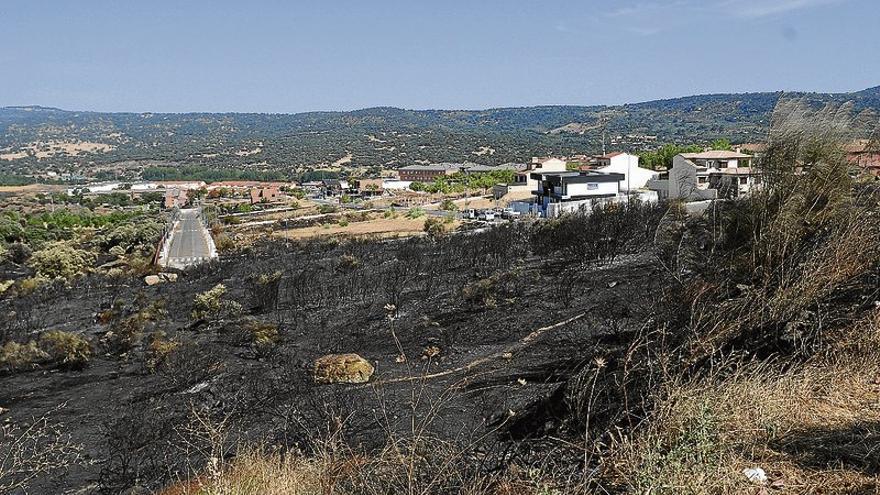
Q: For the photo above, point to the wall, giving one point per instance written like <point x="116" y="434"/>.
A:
<point x="592" y="189"/>
<point x="636" y="177"/>
<point x="683" y="183"/>
<point x="549" y="165"/>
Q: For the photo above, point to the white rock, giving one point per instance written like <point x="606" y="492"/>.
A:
<point x="755" y="475"/>
<point x="152" y="279"/>
<point x="197" y="388"/>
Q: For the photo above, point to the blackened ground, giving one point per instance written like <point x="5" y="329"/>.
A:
<point x="510" y="328"/>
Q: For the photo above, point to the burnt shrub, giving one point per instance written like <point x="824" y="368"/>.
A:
<point x="601" y="235"/>
<point x="260" y="336"/>
<point x="190" y="363"/>
<point x="19" y="252"/>
<point x="139" y="446"/>
<point x="264" y="289"/>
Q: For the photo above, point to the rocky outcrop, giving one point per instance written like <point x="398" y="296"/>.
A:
<point x="342" y="368"/>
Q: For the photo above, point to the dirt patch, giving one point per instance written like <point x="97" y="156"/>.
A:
<point x="382" y="227"/>
<point x="31" y="189"/>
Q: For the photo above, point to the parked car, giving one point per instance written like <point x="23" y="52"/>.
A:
<point x="510" y="213"/>
<point x="487" y="215"/>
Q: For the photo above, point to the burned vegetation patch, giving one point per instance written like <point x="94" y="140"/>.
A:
<point x="459" y="329"/>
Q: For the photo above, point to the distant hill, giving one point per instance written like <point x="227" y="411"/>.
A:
<point x="384" y="136"/>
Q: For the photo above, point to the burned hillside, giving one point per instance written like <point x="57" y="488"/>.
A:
<point x="639" y="348"/>
<point x="468" y="322"/>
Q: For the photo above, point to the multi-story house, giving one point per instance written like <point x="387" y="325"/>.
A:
<point x="523" y="180"/>
<point x="707" y="175"/>
<point x="560" y="192"/>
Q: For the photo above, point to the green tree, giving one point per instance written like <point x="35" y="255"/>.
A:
<point x="721" y="144"/>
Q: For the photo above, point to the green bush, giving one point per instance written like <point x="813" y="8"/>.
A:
<point x="448" y="205"/>
<point x="15" y="356"/>
<point x="67" y="349"/>
<point x="210" y="305"/>
<point x="415" y="212"/>
<point x="61" y="260"/>
<point x="262" y="336"/>
<point x="137" y="235"/>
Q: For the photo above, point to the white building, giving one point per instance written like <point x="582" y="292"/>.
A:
<point x="707" y="175"/>
<point x="561" y="192"/>
<point x="635" y="177"/>
<point x="395" y="184"/>
<point x="523" y="180"/>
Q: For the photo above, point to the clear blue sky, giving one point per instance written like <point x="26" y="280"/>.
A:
<point x="293" y="56"/>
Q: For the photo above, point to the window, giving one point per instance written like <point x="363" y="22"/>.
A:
<point x="701" y="180"/>
<point x="592" y="187"/>
<point x="743" y="180"/>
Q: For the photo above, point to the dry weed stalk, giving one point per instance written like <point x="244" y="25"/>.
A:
<point x="33" y="450"/>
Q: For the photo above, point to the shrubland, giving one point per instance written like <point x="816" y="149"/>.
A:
<point x="70" y="241"/>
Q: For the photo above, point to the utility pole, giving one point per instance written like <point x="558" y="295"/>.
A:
<point x="603" y="122"/>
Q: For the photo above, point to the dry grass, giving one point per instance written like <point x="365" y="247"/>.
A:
<point x="787" y="289"/>
<point x="260" y="473"/>
<point x="381" y="227"/>
<point x="814" y="428"/>
<point x="31" y="189"/>
<point x="395" y="470"/>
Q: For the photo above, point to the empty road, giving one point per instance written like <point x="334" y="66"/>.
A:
<point x="190" y="241"/>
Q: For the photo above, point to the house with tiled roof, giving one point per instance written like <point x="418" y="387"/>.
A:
<point x="865" y="155"/>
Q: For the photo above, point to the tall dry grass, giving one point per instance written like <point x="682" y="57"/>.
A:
<point x="814" y="428"/>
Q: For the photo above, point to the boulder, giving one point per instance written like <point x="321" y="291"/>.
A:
<point x="342" y="368"/>
<point x="152" y="279"/>
<point x="168" y="277"/>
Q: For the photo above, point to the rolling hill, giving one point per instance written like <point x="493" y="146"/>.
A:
<point x="34" y="138"/>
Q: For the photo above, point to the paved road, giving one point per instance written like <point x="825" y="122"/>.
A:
<point x="189" y="241"/>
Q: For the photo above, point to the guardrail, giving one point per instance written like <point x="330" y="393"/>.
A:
<point x="164" y="245"/>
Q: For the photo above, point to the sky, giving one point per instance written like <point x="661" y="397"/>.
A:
<point x="290" y="56"/>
